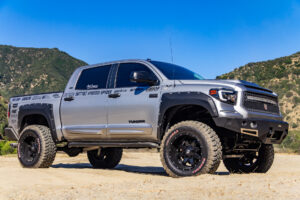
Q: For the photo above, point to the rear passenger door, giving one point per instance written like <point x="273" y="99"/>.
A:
<point x="84" y="106"/>
<point x="133" y="111"/>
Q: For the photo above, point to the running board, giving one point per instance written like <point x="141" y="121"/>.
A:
<point x="114" y="144"/>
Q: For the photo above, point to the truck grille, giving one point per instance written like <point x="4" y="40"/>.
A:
<point x="261" y="103"/>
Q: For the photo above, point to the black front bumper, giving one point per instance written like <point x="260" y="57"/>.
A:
<point x="10" y="134"/>
<point x="267" y="130"/>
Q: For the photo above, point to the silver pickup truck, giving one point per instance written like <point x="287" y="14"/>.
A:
<point x="195" y="123"/>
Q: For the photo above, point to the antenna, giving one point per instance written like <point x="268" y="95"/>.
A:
<point x="171" y="48"/>
<point x="171" y="51"/>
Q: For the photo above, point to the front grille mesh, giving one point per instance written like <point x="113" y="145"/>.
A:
<point x="261" y="102"/>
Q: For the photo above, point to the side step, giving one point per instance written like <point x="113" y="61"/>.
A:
<point x="115" y="144"/>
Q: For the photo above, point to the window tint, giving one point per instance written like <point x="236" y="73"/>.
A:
<point x="124" y="72"/>
<point x="175" y="72"/>
<point x="93" y="78"/>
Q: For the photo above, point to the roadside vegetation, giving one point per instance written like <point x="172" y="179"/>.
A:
<point x="291" y="144"/>
<point x="5" y="148"/>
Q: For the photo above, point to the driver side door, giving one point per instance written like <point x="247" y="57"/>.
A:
<point x="133" y="112"/>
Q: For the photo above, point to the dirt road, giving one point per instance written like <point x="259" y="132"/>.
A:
<point x="140" y="176"/>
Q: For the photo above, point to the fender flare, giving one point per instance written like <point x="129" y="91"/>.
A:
<point x="46" y="110"/>
<point x="173" y="99"/>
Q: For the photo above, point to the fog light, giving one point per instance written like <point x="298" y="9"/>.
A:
<point x="244" y="123"/>
<point x="253" y="125"/>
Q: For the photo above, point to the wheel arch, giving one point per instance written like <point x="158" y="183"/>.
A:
<point x="174" y="104"/>
<point x="40" y="114"/>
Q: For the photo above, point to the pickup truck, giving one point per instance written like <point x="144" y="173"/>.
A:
<point x="194" y="123"/>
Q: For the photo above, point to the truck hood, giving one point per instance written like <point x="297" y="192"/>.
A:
<point x="226" y="83"/>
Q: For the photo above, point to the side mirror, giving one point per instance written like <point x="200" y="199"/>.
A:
<point x="142" y="77"/>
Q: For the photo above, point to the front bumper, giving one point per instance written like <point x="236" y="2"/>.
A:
<point x="10" y="134"/>
<point x="268" y="131"/>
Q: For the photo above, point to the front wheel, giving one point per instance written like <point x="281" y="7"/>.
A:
<point x="259" y="162"/>
<point x="105" y="158"/>
<point x="36" y="148"/>
<point x="190" y="148"/>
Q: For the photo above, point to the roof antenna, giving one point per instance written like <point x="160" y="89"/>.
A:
<point x="171" y="48"/>
<point x="171" y="51"/>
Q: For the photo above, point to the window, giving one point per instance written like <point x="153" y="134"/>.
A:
<point x="175" y="72"/>
<point x="93" y="78"/>
<point x="124" y="72"/>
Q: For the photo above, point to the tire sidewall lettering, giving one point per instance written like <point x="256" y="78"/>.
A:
<point x="192" y="132"/>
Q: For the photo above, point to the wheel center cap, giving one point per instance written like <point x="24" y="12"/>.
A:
<point x="188" y="151"/>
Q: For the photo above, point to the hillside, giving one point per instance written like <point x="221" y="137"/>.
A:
<point x="282" y="75"/>
<point x="32" y="70"/>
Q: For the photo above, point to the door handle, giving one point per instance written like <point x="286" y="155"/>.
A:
<point x="71" y="98"/>
<point x="115" y="95"/>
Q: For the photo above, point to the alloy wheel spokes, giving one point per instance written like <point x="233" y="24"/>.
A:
<point x="186" y="152"/>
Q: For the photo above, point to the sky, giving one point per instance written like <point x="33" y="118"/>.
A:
<point x="208" y="37"/>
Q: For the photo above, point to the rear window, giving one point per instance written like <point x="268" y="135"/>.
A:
<point x="93" y="78"/>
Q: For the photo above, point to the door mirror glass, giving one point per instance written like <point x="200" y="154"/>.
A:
<point x="142" y="77"/>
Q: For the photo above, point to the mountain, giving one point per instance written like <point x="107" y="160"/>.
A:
<point x="282" y="75"/>
<point x="32" y="70"/>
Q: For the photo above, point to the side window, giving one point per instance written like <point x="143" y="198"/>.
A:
<point x="124" y="72"/>
<point x="93" y="78"/>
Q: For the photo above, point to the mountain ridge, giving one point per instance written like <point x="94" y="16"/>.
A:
<point x="26" y="70"/>
<point x="281" y="75"/>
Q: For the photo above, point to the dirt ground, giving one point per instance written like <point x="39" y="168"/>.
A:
<point x="141" y="176"/>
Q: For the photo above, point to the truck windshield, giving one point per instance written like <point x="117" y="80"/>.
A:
<point x="175" y="72"/>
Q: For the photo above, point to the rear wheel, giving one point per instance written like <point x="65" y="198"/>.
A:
<point x="36" y="148"/>
<point x="259" y="162"/>
<point x="190" y="148"/>
<point x="105" y="158"/>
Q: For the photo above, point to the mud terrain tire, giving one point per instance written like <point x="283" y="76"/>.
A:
<point x="107" y="159"/>
<point x="263" y="161"/>
<point x="36" y="148"/>
<point x="190" y="148"/>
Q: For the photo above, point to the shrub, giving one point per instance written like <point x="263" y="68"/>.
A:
<point x="289" y="94"/>
<point x="292" y="141"/>
<point x="296" y="100"/>
<point x="5" y="148"/>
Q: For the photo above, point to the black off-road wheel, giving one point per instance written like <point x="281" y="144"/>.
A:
<point x="105" y="158"/>
<point x="36" y="148"/>
<point x="190" y="148"/>
<point x="252" y="162"/>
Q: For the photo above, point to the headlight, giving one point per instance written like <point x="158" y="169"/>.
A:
<point x="226" y="96"/>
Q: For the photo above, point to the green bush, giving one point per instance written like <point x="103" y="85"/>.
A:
<point x="289" y="94"/>
<point x="292" y="142"/>
<point x="5" y="148"/>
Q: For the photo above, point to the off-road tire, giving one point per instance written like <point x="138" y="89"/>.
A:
<point x="108" y="158"/>
<point x="219" y="156"/>
<point x="43" y="147"/>
<point x="263" y="163"/>
<point x="206" y="137"/>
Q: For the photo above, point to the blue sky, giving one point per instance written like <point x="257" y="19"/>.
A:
<point x="209" y="37"/>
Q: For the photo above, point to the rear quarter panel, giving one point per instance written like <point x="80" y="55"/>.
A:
<point x="48" y="98"/>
